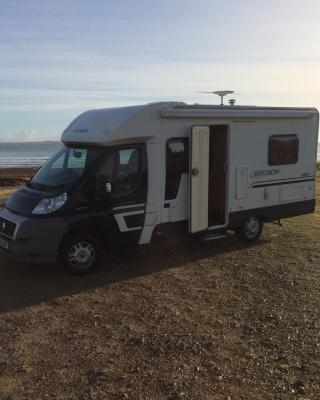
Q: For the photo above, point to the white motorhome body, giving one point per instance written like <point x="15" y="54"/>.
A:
<point x="253" y="184"/>
<point x="132" y="173"/>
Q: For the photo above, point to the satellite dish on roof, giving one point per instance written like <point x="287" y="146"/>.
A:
<point x="221" y="93"/>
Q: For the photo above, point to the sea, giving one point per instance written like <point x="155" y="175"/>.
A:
<point x="34" y="154"/>
<point x="26" y="155"/>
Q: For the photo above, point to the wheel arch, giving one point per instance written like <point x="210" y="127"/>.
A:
<point x="93" y="227"/>
<point x="238" y="219"/>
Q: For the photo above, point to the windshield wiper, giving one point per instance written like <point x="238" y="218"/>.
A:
<point x="37" y="186"/>
<point x="43" y="188"/>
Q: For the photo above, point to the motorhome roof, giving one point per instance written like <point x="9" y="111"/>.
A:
<point x="115" y="125"/>
<point x="229" y="111"/>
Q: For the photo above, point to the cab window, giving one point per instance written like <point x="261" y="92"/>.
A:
<point x="127" y="170"/>
<point x="122" y="169"/>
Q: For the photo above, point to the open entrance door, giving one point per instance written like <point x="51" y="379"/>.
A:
<point x="199" y="178"/>
<point x="217" y="174"/>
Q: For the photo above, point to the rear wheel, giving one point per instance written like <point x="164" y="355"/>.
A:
<point x="81" y="253"/>
<point x="251" y="229"/>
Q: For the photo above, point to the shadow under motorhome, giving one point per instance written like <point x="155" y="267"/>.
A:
<point x="126" y="175"/>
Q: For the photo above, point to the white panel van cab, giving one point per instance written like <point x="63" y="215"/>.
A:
<point x="126" y="175"/>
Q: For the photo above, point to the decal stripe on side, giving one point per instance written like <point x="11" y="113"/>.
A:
<point x="128" y="206"/>
<point x="120" y="218"/>
<point x="278" y="183"/>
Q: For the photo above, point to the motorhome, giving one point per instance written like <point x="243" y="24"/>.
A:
<point x="128" y="175"/>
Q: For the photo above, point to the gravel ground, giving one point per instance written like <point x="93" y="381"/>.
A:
<point x="11" y="178"/>
<point x="176" y="320"/>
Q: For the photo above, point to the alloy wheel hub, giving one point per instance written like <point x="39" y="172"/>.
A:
<point x="82" y="255"/>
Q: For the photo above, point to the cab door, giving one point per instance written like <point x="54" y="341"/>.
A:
<point x="199" y="178"/>
<point x="124" y="193"/>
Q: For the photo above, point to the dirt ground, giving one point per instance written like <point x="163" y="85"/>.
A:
<point x="178" y="320"/>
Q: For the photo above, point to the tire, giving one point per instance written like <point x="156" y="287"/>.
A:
<point x="250" y="230"/>
<point x="81" y="253"/>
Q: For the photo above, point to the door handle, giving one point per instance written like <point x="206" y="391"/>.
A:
<point x="108" y="187"/>
<point x="195" y="171"/>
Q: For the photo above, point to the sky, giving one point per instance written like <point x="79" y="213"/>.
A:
<point x="59" y="58"/>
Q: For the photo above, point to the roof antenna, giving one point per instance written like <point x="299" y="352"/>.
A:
<point x="221" y="93"/>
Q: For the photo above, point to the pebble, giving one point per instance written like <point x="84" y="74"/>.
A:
<point x="123" y="397"/>
<point x="299" y="386"/>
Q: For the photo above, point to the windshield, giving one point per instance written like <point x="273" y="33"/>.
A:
<point x="64" y="169"/>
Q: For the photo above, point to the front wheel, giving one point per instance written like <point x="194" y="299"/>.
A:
<point x="250" y="230"/>
<point x="81" y="253"/>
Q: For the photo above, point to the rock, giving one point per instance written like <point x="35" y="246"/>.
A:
<point x="299" y="387"/>
<point x="98" y="371"/>
<point x="317" y="363"/>
<point x="95" y="374"/>
<point x="124" y="396"/>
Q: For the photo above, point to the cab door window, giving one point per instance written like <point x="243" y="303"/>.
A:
<point x="122" y="169"/>
<point x="127" y="170"/>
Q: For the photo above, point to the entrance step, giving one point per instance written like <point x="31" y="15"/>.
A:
<point x="214" y="236"/>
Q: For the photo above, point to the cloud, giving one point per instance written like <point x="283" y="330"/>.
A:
<point x="258" y="83"/>
<point x="63" y="57"/>
<point x="27" y="135"/>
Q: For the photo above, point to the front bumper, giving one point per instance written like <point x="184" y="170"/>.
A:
<point x="33" y="239"/>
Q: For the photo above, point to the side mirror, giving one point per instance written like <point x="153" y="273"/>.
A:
<point x="77" y="153"/>
<point x="103" y="185"/>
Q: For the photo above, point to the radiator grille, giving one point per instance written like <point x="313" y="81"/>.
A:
<point x="7" y="227"/>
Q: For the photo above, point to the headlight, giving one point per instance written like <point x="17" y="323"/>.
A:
<point x="47" y="206"/>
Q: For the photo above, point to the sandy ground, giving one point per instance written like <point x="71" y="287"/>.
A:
<point x="178" y="320"/>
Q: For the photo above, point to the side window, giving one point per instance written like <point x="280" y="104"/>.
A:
<point x="283" y="149"/>
<point x="108" y="167"/>
<point x="127" y="171"/>
<point x="177" y="163"/>
<point x="122" y="169"/>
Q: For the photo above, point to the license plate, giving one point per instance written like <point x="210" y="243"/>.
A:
<point x="4" y="244"/>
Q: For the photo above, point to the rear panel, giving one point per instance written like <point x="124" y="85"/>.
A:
<point x="257" y="183"/>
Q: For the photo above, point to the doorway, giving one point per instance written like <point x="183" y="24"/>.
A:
<point x="217" y="174"/>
